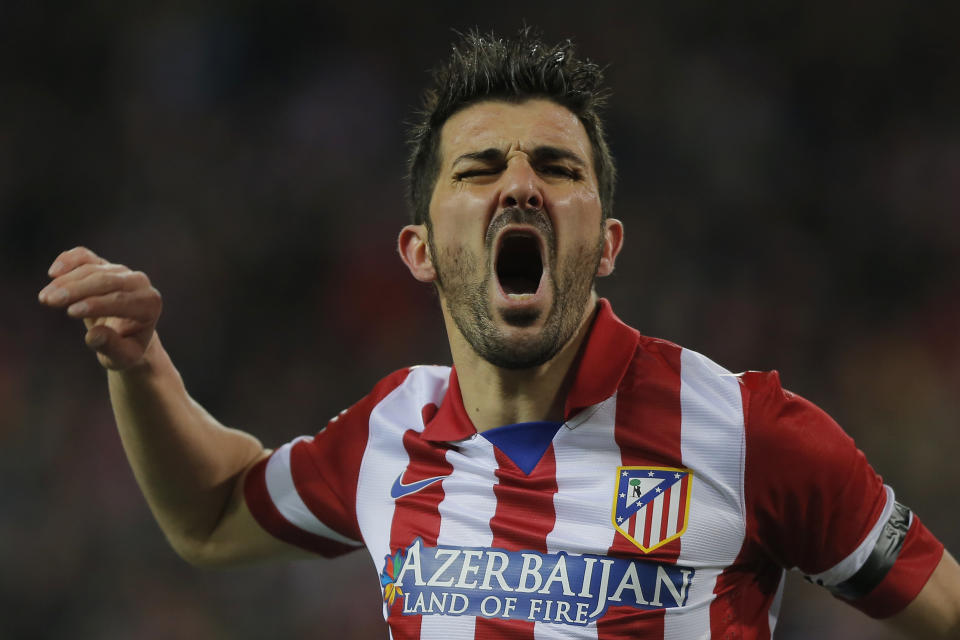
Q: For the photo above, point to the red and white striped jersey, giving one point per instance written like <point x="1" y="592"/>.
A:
<point x="667" y="505"/>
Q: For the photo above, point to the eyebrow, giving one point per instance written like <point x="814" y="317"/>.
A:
<point x="544" y="153"/>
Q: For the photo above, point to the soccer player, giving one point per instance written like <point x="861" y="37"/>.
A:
<point x="567" y="477"/>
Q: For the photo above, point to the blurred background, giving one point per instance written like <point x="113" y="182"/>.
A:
<point x="790" y="186"/>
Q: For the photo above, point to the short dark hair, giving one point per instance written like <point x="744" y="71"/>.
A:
<point x="487" y="67"/>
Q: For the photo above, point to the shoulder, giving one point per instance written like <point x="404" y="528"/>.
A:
<point x="419" y="383"/>
<point x="695" y="381"/>
<point x="780" y="421"/>
<point x="794" y="446"/>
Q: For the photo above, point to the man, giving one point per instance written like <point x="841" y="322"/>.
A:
<point x="568" y="477"/>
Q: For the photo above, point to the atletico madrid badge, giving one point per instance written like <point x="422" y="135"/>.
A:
<point x="651" y="504"/>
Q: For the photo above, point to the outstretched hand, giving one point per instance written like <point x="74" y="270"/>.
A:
<point x="119" y="306"/>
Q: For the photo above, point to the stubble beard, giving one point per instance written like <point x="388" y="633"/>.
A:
<point x="464" y="280"/>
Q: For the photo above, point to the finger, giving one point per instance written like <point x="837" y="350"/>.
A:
<point x="141" y="305"/>
<point x="71" y="259"/>
<point x="85" y="280"/>
<point x="114" y="351"/>
<point x="123" y="326"/>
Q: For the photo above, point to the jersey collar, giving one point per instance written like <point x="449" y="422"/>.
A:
<point x="602" y="363"/>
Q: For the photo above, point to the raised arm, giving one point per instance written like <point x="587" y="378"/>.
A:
<point x="189" y="466"/>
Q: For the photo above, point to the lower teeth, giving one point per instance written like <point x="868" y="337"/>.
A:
<point x="519" y="296"/>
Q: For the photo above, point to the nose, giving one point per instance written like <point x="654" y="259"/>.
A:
<point x="522" y="187"/>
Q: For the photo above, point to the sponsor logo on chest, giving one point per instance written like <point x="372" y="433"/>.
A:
<point x="526" y="585"/>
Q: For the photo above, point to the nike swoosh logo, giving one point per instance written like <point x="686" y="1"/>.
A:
<point x="398" y="490"/>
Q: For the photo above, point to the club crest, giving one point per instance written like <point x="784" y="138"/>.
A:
<point x="651" y="504"/>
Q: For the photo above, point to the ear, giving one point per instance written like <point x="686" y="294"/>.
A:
<point x="415" y="252"/>
<point x="612" y="243"/>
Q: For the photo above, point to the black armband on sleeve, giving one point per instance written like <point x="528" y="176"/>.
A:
<point x="881" y="558"/>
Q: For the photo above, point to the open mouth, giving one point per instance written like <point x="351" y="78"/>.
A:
<point x="519" y="264"/>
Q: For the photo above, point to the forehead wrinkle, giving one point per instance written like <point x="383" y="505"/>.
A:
<point x="494" y="125"/>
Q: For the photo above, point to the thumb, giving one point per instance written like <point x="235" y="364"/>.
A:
<point x="113" y="351"/>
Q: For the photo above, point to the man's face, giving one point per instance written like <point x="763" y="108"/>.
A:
<point x="516" y="231"/>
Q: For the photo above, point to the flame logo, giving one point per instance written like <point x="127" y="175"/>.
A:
<point x="393" y="565"/>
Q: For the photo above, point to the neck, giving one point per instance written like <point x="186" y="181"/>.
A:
<point x="494" y="396"/>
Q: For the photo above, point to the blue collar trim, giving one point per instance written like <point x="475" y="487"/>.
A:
<point x="525" y="442"/>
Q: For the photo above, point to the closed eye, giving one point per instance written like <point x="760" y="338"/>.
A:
<point x="473" y="173"/>
<point x="550" y="170"/>
<point x="562" y="171"/>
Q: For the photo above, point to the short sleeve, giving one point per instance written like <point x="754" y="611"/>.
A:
<point x="815" y="504"/>
<point x="305" y="493"/>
